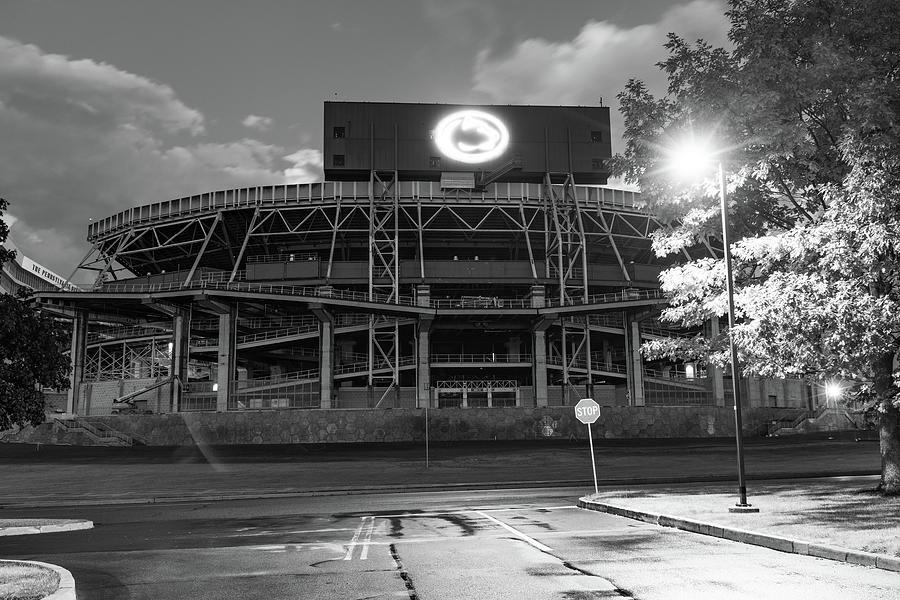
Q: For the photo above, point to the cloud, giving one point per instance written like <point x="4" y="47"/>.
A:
<point x="257" y="122"/>
<point x="597" y="62"/>
<point x="85" y="94"/>
<point x="84" y="139"/>
<point x="462" y="23"/>
<point x="306" y="166"/>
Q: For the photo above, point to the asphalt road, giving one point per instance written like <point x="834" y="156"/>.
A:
<point x="60" y="475"/>
<point x="514" y="543"/>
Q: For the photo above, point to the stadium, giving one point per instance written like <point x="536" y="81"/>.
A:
<point x="455" y="258"/>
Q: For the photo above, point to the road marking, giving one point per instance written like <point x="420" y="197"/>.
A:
<point x="525" y="538"/>
<point x="353" y="541"/>
<point x="365" y="521"/>
<point x="474" y="508"/>
<point x="243" y="532"/>
<point x="364" y="554"/>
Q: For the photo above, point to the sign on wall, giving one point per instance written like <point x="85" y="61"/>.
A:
<point x="471" y="136"/>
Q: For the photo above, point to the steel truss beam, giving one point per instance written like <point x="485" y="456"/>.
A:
<point x="138" y="246"/>
<point x="566" y="256"/>
<point x="128" y="360"/>
<point x="384" y="274"/>
<point x="102" y="259"/>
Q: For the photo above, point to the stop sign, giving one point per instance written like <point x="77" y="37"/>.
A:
<point x="587" y="411"/>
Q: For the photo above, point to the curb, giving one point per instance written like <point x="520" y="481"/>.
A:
<point x="426" y="487"/>
<point x="50" y="528"/>
<point x="66" y="589"/>
<point x="782" y="544"/>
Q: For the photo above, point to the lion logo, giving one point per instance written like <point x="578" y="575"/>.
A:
<point x="471" y="136"/>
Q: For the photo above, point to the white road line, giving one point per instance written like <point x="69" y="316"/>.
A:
<point x="525" y="538"/>
<point x="354" y="540"/>
<point x="364" y="554"/>
<point x="475" y="508"/>
<point x="367" y="524"/>
<point x="296" y="532"/>
<point x="507" y="508"/>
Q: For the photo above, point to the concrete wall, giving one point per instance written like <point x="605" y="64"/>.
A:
<point x="408" y="425"/>
<point x="96" y="397"/>
<point x="364" y="397"/>
<point x="759" y="392"/>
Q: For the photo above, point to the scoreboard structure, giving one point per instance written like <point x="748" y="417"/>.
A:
<point x="466" y="143"/>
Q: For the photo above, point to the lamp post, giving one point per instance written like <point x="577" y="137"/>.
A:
<point x="742" y="505"/>
<point x="690" y="160"/>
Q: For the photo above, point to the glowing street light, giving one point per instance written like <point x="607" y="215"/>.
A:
<point x="690" y="161"/>
<point x="833" y="390"/>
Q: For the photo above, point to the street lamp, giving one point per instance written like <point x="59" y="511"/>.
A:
<point x="833" y="392"/>
<point x="692" y="159"/>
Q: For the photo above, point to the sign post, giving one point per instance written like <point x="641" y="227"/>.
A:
<point x="587" y="411"/>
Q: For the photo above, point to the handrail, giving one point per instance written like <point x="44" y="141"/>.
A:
<point x="276" y="333"/>
<point x="244" y="384"/>
<point x="132" y="331"/>
<point x="279" y="321"/>
<point x="240" y="286"/>
<point x="379" y="365"/>
<point x="778" y="424"/>
<point x="663" y="332"/>
<point x="99" y="431"/>
<point x="606" y="320"/>
<point x="284" y="257"/>
<point x="596" y="365"/>
<point x="453" y="385"/>
<point x="240" y="275"/>
<point x="621" y="296"/>
<point x="358" y="296"/>
<point x="671" y="374"/>
<point x="351" y="191"/>
<point x="480" y="302"/>
<point x="480" y="358"/>
<point x="248" y="385"/>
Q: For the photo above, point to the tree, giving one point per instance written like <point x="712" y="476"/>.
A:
<point x="805" y="106"/>
<point x="31" y="353"/>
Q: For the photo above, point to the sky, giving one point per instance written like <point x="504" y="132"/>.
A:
<point x="108" y="104"/>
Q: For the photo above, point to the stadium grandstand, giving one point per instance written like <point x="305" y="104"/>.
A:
<point x="454" y="257"/>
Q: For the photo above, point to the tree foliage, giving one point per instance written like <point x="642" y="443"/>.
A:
<point x="31" y="354"/>
<point x="804" y="108"/>
<point x="5" y="253"/>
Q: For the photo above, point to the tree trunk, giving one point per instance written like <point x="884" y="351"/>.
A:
<point x="889" y="436"/>
<point x="888" y="427"/>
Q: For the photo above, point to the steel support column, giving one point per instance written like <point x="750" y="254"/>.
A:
<point x="634" y="364"/>
<point x="384" y="274"/>
<point x="326" y="355"/>
<point x="227" y="358"/>
<point x="540" y="367"/>
<point x="715" y="373"/>
<point x="76" y="358"/>
<point x="181" y="336"/>
<point x="423" y="349"/>
<point x="539" y="349"/>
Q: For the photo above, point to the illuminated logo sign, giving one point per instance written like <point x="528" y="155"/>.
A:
<point x="471" y="136"/>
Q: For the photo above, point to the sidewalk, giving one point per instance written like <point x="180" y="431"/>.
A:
<point x="32" y="526"/>
<point x="841" y="519"/>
